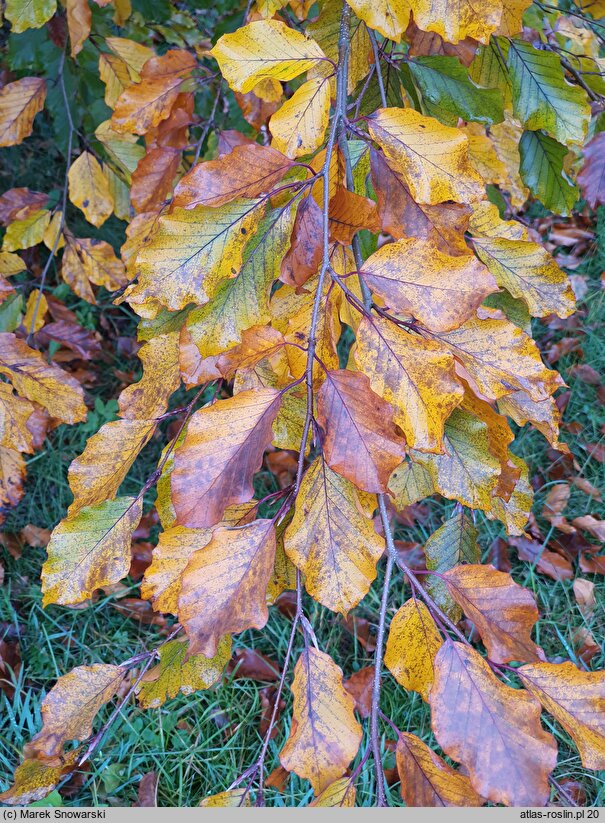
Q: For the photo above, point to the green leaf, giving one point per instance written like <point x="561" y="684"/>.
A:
<point x="454" y="543"/>
<point x="542" y="171"/>
<point x="542" y="98"/>
<point x="448" y="93"/>
<point x="489" y="70"/>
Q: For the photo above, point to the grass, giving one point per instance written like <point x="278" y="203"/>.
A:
<point x="199" y="744"/>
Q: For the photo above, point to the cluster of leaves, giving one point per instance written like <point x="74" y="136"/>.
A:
<point x="335" y="284"/>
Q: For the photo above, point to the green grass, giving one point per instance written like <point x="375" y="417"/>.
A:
<point x="199" y="744"/>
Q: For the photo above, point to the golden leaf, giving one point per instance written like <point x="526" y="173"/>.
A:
<point x="416" y="375"/>
<point x="331" y="541"/>
<point x="324" y="736"/>
<point x="341" y="794"/>
<point x="264" y="49"/>
<point x="41" y="382"/>
<point x="389" y="17"/>
<point x="34" y="778"/>
<point x="224" y="585"/>
<point x="20" y="102"/>
<point x="88" y="189"/>
<point x="176" y="674"/>
<point x="231" y="798"/>
<point x="90" y="550"/>
<point x="161" y="377"/>
<point x="97" y="474"/>
<point x="413" y="642"/>
<point x="87" y="261"/>
<point x="15" y="411"/>
<point x="12" y="476"/>
<point x="26" y="232"/>
<point x="78" y="24"/>
<point x="427" y="780"/>
<point x="415" y="278"/>
<point x="29" y="14"/>
<point x="222" y="449"/>
<point x="298" y="127"/>
<point x="455" y="21"/>
<point x="153" y="178"/>
<point x="69" y="709"/>
<point x="497" y="736"/>
<point x="433" y="159"/>
<point x="117" y="76"/>
<point x="575" y="699"/>
<point x="190" y="252"/>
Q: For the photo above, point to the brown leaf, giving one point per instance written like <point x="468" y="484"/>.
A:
<point x="325" y="735"/>
<point x="361" y="442"/>
<point x="153" y="178"/>
<point x="349" y="213"/>
<point x="73" y="336"/>
<point x="401" y="216"/>
<point x="20" y="101"/>
<point x="592" y="175"/>
<point x="17" y="204"/>
<point x="248" y="663"/>
<point x="147" y="793"/>
<point x="592" y="565"/>
<point x="278" y="779"/>
<point x="590" y="524"/>
<point x="585" y="597"/>
<point x="359" y="685"/>
<point x="555" y="503"/>
<point x="222" y="449"/>
<point x="427" y="780"/>
<point x="247" y="171"/>
<point x="302" y="259"/>
<point x="549" y="563"/>
<point x="224" y="585"/>
<point x="503" y="612"/>
<point x="143" y="105"/>
<point x="492" y="729"/>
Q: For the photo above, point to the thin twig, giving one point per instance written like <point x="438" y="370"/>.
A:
<point x="209" y="124"/>
<point x="61" y="226"/>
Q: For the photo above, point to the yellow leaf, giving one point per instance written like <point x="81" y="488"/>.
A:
<point x="97" y="474"/>
<point x="264" y="49"/>
<point x="500" y="358"/>
<point x="22" y="234"/>
<point x="512" y="17"/>
<point x="117" y="76"/>
<point x="325" y="30"/>
<point x="78" y="24"/>
<point x="144" y="105"/>
<point x="161" y="377"/>
<point x="34" y="778"/>
<point x="389" y="17"/>
<point x="503" y="612"/>
<point x="410" y="483"/>
<point x="15" y="411"/>
<point x="575" y="699"/>
<point x="12" y="476"/>
<point x="324" y="736"/>
<point x="514" y="512"/>
<point x="20" y="102"/>
<point x="298" y="127"/>
<point x="34" y="311"/>
<point x="360" y="440"/>
<point x="134" y="54"/>
<point x="242" y="302"/>
<point x="190" y="252"/>
<point x="40" y="381"/>
<point x="415" y="278"/>
<point x="11" y="264"/>
<point x="122" y="148"/>
<point x="87" y="261"/>
<point x="413" y="642"/>
<point x="222" y="449"/>
<point x="69" y="709"/>
<point x="544" y="415"/>
<point x="467" y="472"/>
<point x="176" y="674"/>
<point x="329" y="539"/>
<point x="341" y="793"/>
<point x="120" y="194"/>
<point x="485" y="222"/>
<point x="52" y="230"/>
<point x="29" y="14"/>
<point x="506" y="137"/>
<point x="527" y="271"/>
<point x="88" y="189"/>
<point x="433" y="159"/>
<point x="427" y="780"/>
<point x="498" y="736"/>
<point x="162" y="579"/>
<point x="232" y="798"/>
<point x="224" y="585"/>
<point x="416" y="375"/>
<point x="90" y="550"/>
<point x="455" y="21"/>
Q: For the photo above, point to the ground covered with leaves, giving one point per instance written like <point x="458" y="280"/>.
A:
<point x="160" y="136"/>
